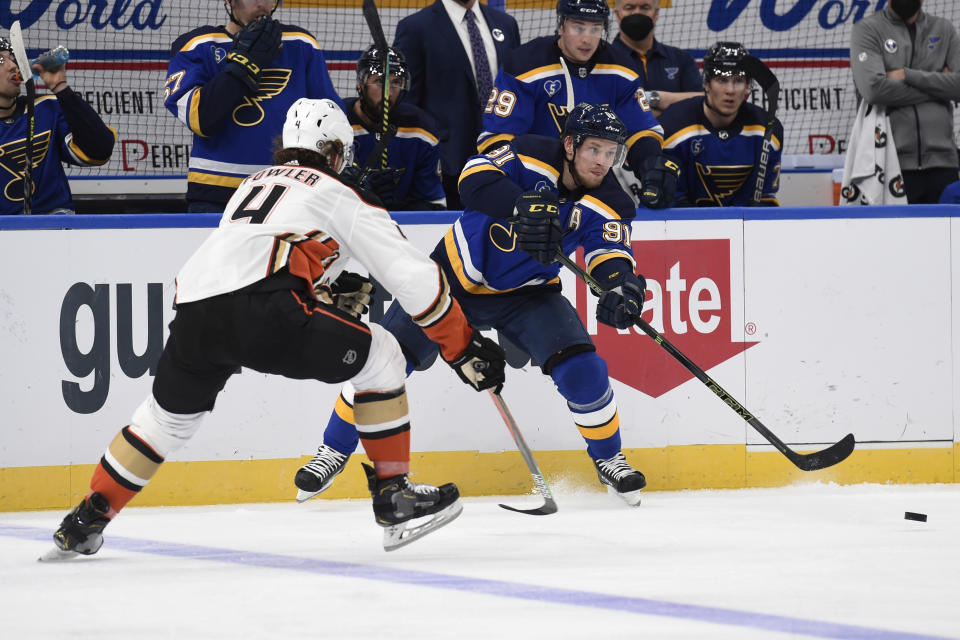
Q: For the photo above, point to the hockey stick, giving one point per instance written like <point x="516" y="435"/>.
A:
<point x="372" y="16"/>
<point x="549" y="506"/>
<point x="26" y="74"/>
<point x="760" y="72"/>
<point x="806" y="461"/>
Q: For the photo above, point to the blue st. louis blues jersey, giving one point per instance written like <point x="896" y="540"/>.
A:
<point x="415" y="149"/>
<point x="54" y="142"/>
<point x="531" y="95"/>
<point x="718" y="166"/>
<point x="234" y="132"/>
<point x="480" y="249"/>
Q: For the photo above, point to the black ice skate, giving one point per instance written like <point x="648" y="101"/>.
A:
<point x="316" y="476"/>
<point x="621" y="478"/>
<point x="80" y="532"/>
<point x="398" y="506"/>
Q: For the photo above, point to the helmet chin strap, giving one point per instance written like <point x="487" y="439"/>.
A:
<point x="371" y="112"/>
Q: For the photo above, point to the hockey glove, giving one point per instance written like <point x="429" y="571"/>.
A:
<point x="351" y="292"/>
<point x="536" y="221"/>
<point x="659" y="178"/>
<point x="383" y="182"/>
<point x="257" y="45"/>
<point x="621" y="304"/>
<point x="482" y="364"/>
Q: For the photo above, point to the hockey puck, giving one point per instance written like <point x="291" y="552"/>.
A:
<point x="919" y="517"/>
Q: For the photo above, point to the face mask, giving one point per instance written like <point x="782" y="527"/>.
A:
<point x="636" y="26"/>
<point x="905" y="8"/>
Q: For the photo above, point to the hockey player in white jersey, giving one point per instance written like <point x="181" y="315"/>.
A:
<point x="267" y="290"/>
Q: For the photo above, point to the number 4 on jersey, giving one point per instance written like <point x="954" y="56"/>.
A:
<point x="257" y="214"/>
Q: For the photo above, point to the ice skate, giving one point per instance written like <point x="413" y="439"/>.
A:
<point x="80" y="532"/>
<point x="401" y="507"/>
<point x="316" y="476"/>
<point x="620" y="478"/>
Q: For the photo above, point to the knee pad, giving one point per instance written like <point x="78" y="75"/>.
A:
<point x="385" y="368"/>
<point x="582" y="379"/>
<point x="165" y="432"/>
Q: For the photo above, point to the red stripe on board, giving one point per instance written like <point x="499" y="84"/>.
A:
<point x="120" y="66"/>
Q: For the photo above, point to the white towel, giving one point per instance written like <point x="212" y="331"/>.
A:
<point x="871" y="170"/>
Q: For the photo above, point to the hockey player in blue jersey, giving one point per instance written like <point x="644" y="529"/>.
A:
<point x="525" y="199"/>
<point x="541" y="81"/>
<point x="411" y="181"/>
<point x="717" y="138"/>
<point x="232" y="86"/>
<point x="66" y="129"/>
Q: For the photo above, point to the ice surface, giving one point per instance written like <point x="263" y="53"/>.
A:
<point x="820" y="561"/>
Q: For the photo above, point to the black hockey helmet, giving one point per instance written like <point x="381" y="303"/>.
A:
<point x="371" y="63"/>
<point x="724" y="59"/>
<point x="586" y="10"/>
<point x="5" y="45"/>
<point x="587" y="120"/>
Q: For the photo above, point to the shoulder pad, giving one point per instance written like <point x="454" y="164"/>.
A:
<point x="535" y="53"/>
<point x="206" y="30"/>
<point x="612" y="195"/>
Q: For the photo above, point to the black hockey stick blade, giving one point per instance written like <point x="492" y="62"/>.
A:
<point x="549" y="505"/>
<point x="372" y="16"/>
<point x="828" y="457"/>
<point x="805" y="461"/>
<point x="26" y="73"/>
<point x="760" y="72"/>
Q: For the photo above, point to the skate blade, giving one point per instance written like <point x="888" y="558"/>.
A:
<point x="58" y="555"/>
<point x="400" y="535"/>
<point x="632" y="498"/>
<point x="303" y="496"/>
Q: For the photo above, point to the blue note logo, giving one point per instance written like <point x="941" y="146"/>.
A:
<point x="671" y="72"/>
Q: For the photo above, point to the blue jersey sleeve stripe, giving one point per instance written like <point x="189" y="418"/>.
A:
<point x="646" y="133"/>
<point x="598" y="206"/>
<point x="683" y="134"/>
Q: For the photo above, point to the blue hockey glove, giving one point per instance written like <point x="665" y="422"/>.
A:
<point x="536" y="221"/>
<point x="621" y="304"/>
<point x="257" y="45"/>
<point x="659" y="177"/>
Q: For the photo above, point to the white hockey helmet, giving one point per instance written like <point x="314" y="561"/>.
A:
<point x="311" y="123"/>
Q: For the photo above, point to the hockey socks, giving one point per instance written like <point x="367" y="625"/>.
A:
<point x="383" y="423"/>
<point x="125" y="468"/>
<point x="582" y="380"/>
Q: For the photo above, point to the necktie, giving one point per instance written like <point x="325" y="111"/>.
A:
<point x="480" y="63"/>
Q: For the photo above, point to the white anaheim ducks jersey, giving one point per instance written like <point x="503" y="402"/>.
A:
<point x="310" y="222"/>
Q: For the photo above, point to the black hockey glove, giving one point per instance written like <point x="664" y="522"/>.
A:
<point x="536" y="221"/>
<point x="257" y="45"/>
<point x="383" y="182"/>
<point x="622" y="302"/>
<point x="482" y="364"/>
<point x="659" y="177"/>
<point x="351" y="292"/>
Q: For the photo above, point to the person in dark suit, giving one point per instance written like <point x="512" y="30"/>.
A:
<point x="448" y="80"/>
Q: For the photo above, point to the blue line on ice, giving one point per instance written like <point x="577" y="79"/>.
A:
<point x="499" y="588"/>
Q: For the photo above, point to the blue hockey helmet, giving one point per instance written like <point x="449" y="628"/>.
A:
<point x="587" y="120"/>
<point x="724" y="59"/>
<point x="586" y="10"/>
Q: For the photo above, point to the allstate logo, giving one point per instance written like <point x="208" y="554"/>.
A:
<point x="552" y="86"/>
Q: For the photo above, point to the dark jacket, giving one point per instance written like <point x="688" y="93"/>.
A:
<point x="442" y="81"/>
